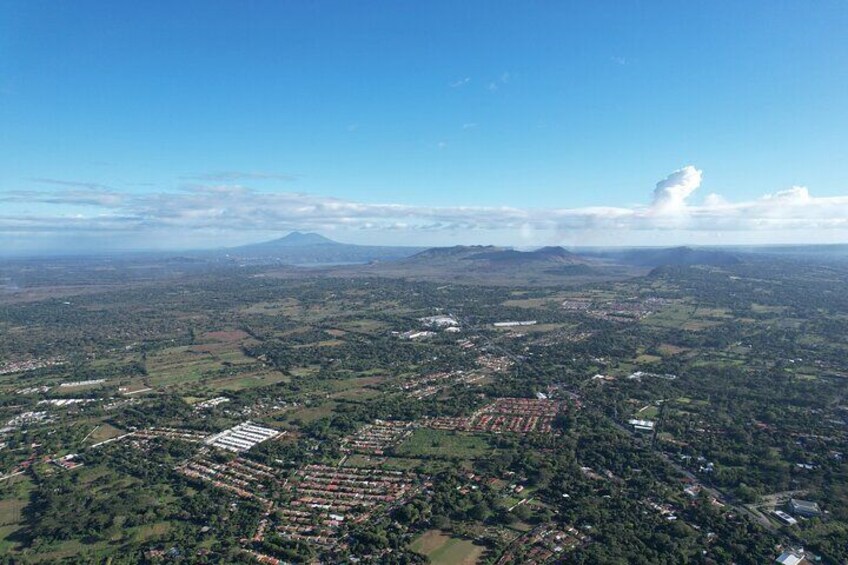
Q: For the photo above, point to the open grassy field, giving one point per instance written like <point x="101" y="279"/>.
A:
<point x="102" y="433"/>
<point x="647" y="359"/>
<point x="247" y="380"/>
<point x="668" y="350"/>
<point x="359" y="460"/>
<point x="287" y="307"/>
<point x="673" y="316"/>
<point x="440" y="443"/>
<point x="15" y="494"/>
<point x="309" y="414"/>
<point x="648" y="412"/>
<point x="442" y="549"/>
<point x="151" y="531"/>
<point x="528" y="302"/>
<point x="177" y="365"/>
<point x="10" y="510"/>
<point x="363" y="326"/>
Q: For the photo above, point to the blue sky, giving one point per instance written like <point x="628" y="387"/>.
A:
<point x="185" y="124"/>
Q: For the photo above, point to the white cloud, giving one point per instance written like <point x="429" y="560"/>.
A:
<point x="671" y="193"/>
<point x="796" y="194"/>
<point x="238" y="209"/>
<point x="714" y="200"/>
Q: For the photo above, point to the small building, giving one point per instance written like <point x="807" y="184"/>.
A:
<point x="514" y="324"/>
<point x="804" y="508"/>
<point x="439" y="321"/>
<point x="694" y="490"/>
<point x="414" y="334"/>
<point x="785" y="518"/>
<point x="642" y="425"/>
<point x="791" y="557"/>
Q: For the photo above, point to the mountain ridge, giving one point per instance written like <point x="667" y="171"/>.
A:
<point x="313" y="249"/>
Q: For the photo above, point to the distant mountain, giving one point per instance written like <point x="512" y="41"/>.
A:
<point x="299" y="248"/>
<point x="670" y="256"/>
<point x="450" y="254"/>
<point x="496" y="257"/>
<point x="297" y="239"/>
<point x="549" y="255"/>
<point x="493" y="265"/>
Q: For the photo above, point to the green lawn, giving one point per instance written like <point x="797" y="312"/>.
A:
<point x="442" y="549"/>
<point x="439" y="443"/>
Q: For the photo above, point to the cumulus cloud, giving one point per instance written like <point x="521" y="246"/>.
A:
<point x="236" y="208"/>
<point x="671" y="193"/>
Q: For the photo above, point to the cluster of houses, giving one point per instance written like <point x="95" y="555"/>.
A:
<point x="261" y="407"/>
<point x="190" y="436"/>
<point x="664" y="509"/>
<point x="495" y="363"/>
<point x="25" y="419"/>
<point x="428" y="385"/>
<point x="431" y="325"/>
<point x="29" y="365"/>
<point x="376" y="438"/>
<point x="633" y="309"/>
<point x="545" y="544"/>
<point x="211" y="403"/>
<point x="318" y="498"/>
<point x="245" y="478"/>
<point x="518" y="415"/>
<point x="577" y="305"/>
<point x="323" y="497"/>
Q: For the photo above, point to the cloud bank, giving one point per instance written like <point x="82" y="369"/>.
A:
<point x="229" y="207"/>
